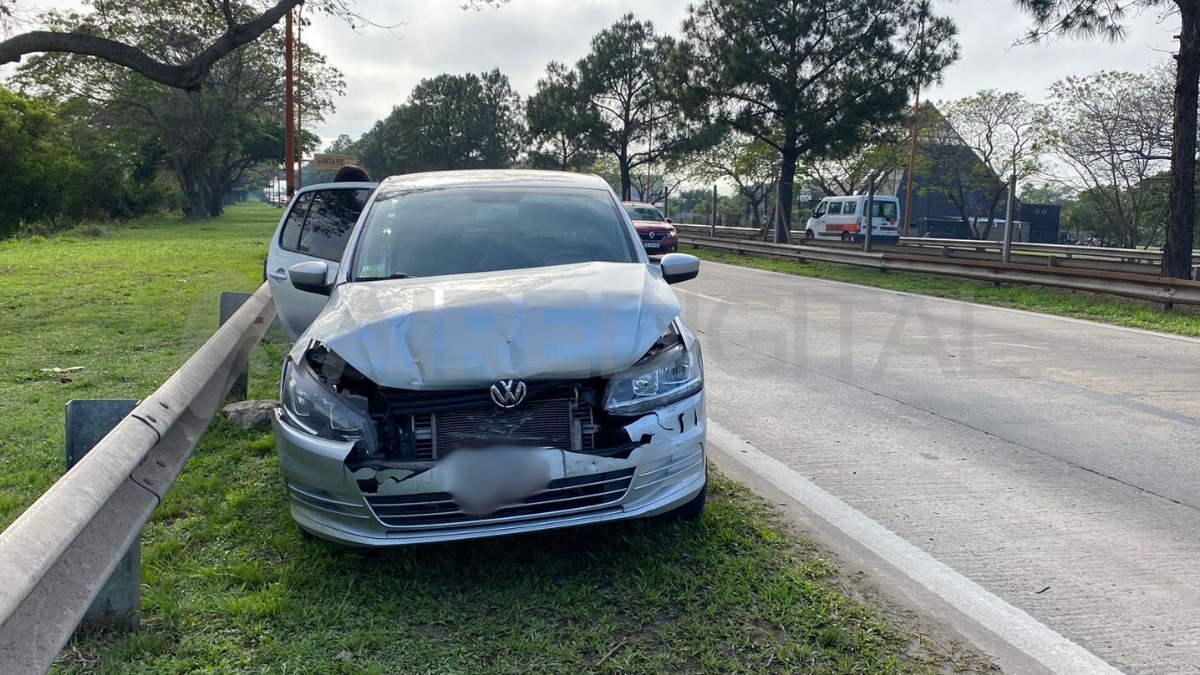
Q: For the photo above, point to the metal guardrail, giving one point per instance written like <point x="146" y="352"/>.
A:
<point x="1141" y="286"/>
<point x="1104" y="259"/>
<point x="57" y="555"/>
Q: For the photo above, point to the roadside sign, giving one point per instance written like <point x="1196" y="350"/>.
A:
<point x="333" y="161"/>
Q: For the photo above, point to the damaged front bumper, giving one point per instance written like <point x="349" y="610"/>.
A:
<point x="662" y="473"/>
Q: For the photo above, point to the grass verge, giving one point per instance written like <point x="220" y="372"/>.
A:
<point x="230" y="587"/>
<point x="1108" y="309"/>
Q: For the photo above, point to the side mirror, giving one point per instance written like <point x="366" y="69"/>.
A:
<point x="677" y="267"/>
<point x="309" y="276"/>
<point x="669" y="221"/>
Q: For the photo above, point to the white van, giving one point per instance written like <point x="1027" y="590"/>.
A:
<point x="842" y="218"/>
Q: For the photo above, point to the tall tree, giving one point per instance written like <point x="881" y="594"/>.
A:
<point x="210" y="137"/>
<point x="752" y="166"/>
<point x="563" y="126"/>
<point x="1106" y="18"/>
<point x="807" y="77"/>
<point x="850" y="172"/>
<point x="449" y="122"/>
<point x="242" y="23"/>
<point x="1111" y="133"/>
<point x="621" y="76"/>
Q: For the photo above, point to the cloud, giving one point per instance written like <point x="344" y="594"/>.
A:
<point x="437" y="36"/>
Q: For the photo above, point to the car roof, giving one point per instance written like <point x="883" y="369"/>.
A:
<point x="492" y="178"/>
<point x="646" y="204"/>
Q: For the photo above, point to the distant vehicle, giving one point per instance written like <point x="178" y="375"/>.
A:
<point x="490" y="353"/>
<point x="843" y="218"/>
<point x="655" y="231"/>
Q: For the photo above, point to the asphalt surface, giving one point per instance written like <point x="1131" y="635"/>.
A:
<point x="1053" y="462"/>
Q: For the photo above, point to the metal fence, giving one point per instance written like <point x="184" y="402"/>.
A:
<point x="905" y="258"/>
<point x="1101" y="259"/>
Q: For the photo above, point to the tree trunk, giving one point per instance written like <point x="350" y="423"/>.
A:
<point x="626" y="183"/>
<point x="787" y="179"/>
<point x="1181" y="214"/>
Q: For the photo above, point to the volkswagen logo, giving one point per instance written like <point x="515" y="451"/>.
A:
<point x="508" y="394"/>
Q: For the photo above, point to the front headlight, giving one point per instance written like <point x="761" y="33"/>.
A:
<point x="315" y="408"/>
<point x="670" y="375"/>
<point x="672" y="233"/>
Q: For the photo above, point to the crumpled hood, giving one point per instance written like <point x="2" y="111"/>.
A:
<point x="471" y="330"/>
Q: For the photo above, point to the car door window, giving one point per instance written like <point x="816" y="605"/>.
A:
<point x="835" y="208"/>
<point x="289" y="238"/>
<point x="820" y="209"/>
<point x="849" y="208"/>
<point x="328" y="222"/>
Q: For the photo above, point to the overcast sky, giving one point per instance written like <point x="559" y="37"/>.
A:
<point x="438" y="36"/>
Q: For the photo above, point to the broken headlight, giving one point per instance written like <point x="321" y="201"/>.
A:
<point x="672" y="374"/>
<point x="315" y="408"/>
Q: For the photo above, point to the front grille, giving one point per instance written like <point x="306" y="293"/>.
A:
<point x="541" y="423"/>
<point x="425" y="425"/>
<point x="564" y="495"/>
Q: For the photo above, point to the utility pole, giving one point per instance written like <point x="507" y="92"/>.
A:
<point x="289" y="123"/>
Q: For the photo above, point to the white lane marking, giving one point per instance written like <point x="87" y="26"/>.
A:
<point x="1022" y="631"/>
<point x="1014" y="344"/>
<point x="707" y="297"/>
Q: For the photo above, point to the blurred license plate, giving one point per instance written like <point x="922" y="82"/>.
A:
<point x="485" y="480"/>
<point x="651" y="245"/>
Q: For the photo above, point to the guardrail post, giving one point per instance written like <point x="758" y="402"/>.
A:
<point x="1006" y="252"/>
<point x="870" y="214"/>
<point x="712" y="223"/>
<point x="88" y="421"/>
<point x="231" y="302"/>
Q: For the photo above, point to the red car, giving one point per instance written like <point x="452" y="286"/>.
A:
<point x="657" y="233"/>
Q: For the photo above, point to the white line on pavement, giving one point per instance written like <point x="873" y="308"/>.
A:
<point x="707" y="297"/>
<point x="1011" y="624"/>
<point x="1016" y="344"/>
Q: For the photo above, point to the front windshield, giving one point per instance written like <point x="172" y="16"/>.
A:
<point x="486" y="229"/>
<point x="643" y="213"/>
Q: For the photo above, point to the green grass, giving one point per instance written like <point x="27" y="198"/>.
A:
<point x="1136" y="314"/>
<point x="230" y="587"/>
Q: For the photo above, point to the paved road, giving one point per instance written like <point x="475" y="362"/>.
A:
<point x="1054" y="462"/>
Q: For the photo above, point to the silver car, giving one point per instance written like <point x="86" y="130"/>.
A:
<point x="490" y="353"/>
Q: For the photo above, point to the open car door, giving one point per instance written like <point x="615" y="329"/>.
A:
<point x="315" y="226"/>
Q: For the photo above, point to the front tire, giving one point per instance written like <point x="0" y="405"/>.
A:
<point x="691" y="511"/>
<point x="809" y="235"/>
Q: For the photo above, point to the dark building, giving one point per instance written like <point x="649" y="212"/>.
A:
<point x="1044" y="221"/>
<point x="935" y="213"/>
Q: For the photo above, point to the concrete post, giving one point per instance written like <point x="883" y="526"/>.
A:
<point x="89" y="421"/>
<point x="231" y="302"/>
<point x="1006" y="251"/>
<point x="712" y="224"/>
<point x="870" y="217"/>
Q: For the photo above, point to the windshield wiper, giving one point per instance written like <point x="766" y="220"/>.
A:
<point x="393" y="275"/>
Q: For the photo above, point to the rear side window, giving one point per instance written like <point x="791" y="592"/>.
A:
<point x="849" y="208"/>
<point x="320" y="225"/>
<point x="290" y="238"/>
<point x="835" y="208"/>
